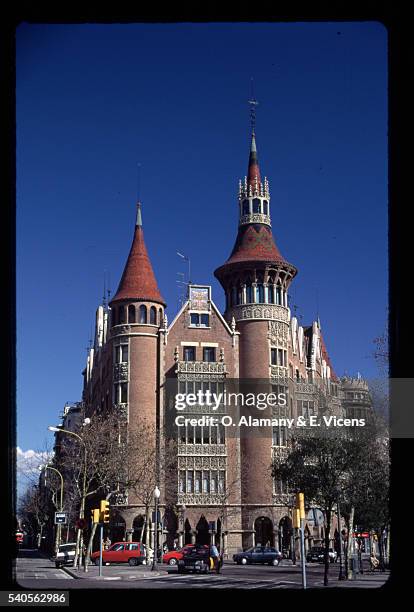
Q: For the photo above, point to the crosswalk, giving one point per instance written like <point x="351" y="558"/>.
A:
<point x="224" y="582"/>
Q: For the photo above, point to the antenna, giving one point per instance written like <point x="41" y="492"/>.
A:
<point x="109" y="284"/>
<point x="139" y="181"/>
<point x="253" y="103"/>
<point x="187" y="259"/>
<point x="104" y="291"/>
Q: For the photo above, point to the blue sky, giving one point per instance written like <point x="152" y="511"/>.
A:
<point x="93" y="101"/>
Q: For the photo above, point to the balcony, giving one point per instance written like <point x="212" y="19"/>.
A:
<point x="201" y="367"/>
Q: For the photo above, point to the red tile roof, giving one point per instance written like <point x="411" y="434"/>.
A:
<point x="138" y="280"/>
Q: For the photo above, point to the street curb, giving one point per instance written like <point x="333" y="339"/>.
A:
<point x="86" y="575"/>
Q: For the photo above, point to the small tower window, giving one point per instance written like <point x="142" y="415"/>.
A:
<point x="256" y="205"/>
<point x="278" y="296"/>
<point x="122" y="314"/>
<point x="265" y="207"/>
<point x="260" y="294"/>
<point x="153" y="315"/>
<point x="249" y="294"/>
<point x="271" y="294"/>
<point x="142" y="314"/>
<point x="131" y="313"/>
<point x="246" y="207"/>
<point x="114" y="313"/>
<point x="160" y="317"/>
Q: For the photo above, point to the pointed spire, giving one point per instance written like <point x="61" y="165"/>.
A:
<point x="139" y="215"/>
<point x="253" y="173"/>
<point x="138" y="280"/>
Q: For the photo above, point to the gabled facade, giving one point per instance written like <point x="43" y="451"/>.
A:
<point x="220" y="488"/>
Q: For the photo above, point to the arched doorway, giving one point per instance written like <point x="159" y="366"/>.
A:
<point x="139" y="529"/>
<point x="170" y="526"/>
<point x="285" y="536"/>
<point x="263" y="528"/>
<point x="116" y="528"/>
<point x="203" y="535"/>
<point x="187" y="532"/>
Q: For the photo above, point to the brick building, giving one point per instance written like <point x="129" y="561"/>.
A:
<point x="222" y="489"/>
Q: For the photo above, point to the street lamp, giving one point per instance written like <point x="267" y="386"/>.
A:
<point x="59" y="526"/>
<point x="78" y="552"/>
<point x="157" y="494"/>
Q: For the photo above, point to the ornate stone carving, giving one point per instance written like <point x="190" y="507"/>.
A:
<point x="255" y="218"/>
<point x="204" y="499"/>
<point x="201" y="367"/>
<point x="281" y="499"/>
<point x="260" y="311"/>
<point x="278" y="372"/>
<point x="202" y="449"/>
<point x="120" y="372"/>
<point x="278" y="333"/>
<point x="120" y="499"/>
<point x="191" y="462"/>
<point x="305" y="388"/>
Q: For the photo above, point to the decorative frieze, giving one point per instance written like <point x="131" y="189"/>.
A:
<point x="278" y="333"/>
<point x="202" y="449"/>
<point x="200" y="367"/>
<point x="260" y="312"/>
<point x="305" y="388"/>
<point x="204" y="499"/>
<point x="201" y="463"/>
<point x="120" y="372"/>
<point x="255" y="218"/>
<point x="278" y="372"/>
<point x="281" y="499"/>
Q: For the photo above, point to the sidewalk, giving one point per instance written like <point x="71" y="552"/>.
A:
<point x="140" y="572"/>
<point x="371" y="580"/>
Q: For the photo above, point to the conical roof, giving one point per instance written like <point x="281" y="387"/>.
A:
<point x="138" y="280"/>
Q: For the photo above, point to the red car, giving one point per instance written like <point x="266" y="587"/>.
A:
<point x="174" y="556"/>
<point x="132" y="553"/>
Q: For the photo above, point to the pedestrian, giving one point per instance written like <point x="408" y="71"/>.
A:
<point x="107" y="543"/>
<point x="215" y="556"/>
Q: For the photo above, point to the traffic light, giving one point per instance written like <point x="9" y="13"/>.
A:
<point x="104" y="511"/>
<point x="300" y="504"/>
<point x="95" y="515"/>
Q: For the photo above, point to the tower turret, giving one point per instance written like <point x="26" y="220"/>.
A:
<point x="256" y="278"/>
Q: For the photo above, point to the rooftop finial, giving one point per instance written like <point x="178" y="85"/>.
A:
<point x="139" y="215"/>
<point x="253" y="103"/>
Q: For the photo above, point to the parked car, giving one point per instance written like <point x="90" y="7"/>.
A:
<point x="65" y="554"/>
<point x="173" y="556"/>
<point x="317" y="553"/>
<point x="259" y="554"/>
<point x="195" y="559"/>
<point x="133" y="553"/>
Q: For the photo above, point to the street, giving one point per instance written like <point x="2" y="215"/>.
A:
<point x="34" y="571"/>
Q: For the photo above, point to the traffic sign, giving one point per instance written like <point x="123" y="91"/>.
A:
<point x="61" y="518"/>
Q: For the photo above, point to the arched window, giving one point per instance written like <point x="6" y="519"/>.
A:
<point x="271" y="294"/>
<point x="142" y="314"/>
<point x="153" y="315"/>
<point x="265" y="207"/>
<point x="122" y="315"/>
<point x="278" y="295"/>
<point x="160" y="316"/>
<point x="246" y="207"/>
<point x="256" y="205"/>
<point x="114" y="314"/>
<point x="131" y="313"/>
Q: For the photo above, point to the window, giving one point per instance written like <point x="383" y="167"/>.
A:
<point x="159" y="316"/>
<point x="278" y="295"/>
<point x="209" y="353"/>
<point x="114" y="318"/>
<point x="198" y="434"/>
<point x="199" y="320"/>
<point x="189" y="482"/>
<point x="205" y="481"/>
<point x="122" y="313"/>
<point x="181" y="482"/>
<point x="121" y="353"/>
<point x="256" y="205"/>
<point x="124" y="393"/>
<point x="265" y="207"/>
<point x="273" y="356"/>
<point x="220" y="439"/>
<point x="142" y="314"/>
<point x="213" y="482"/>
<point x="153" y="315"/>
<point x="222" y="481"/>
<point x="260" y="294"/>
<point x="131" y="313"/>
<point x="189" y="353"/>
<point x="197" y="482"/>
<point x="271" y="294"/>
<point x="249" y="294"/>
<point x="246" y="208"/>
<point x="206" y="436"/>
<point x="279" y="436"/>
<point x="233" y="296"/>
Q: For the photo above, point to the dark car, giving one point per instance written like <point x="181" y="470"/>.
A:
<point x="317" y="553"/>
<point x="259" y="554"/>
<point x="195" y="559"/>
